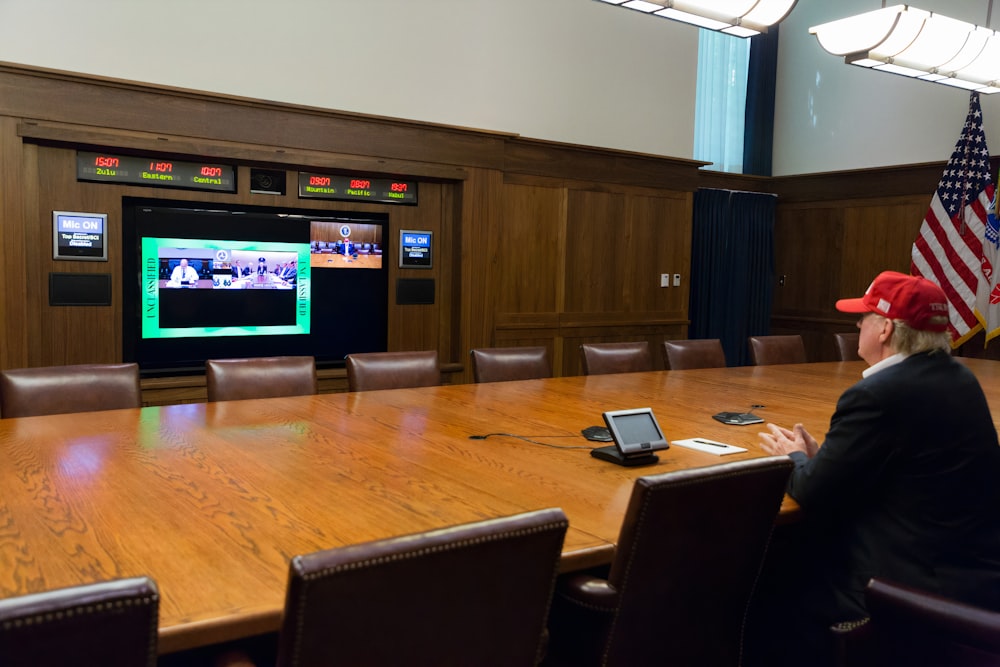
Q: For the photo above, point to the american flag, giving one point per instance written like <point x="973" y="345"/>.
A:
<point x="949" y="248"/>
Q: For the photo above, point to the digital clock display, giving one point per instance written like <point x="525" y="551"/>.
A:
<point x="356" y="188"/>
<point x="157" y="172"/>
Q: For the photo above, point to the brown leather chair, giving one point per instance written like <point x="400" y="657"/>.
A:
<point x="847" y="346"/>
<point x="686" y="562"/>
<point x="475" y="594"/>
<point x="261" y="377"/>
<point x="911" y="627"/>
<point x="500" y="364"/>
<point x="770" y="350"/>
<point x="679" y="355"/>
<point x="95" y="625"/>
<point x="392" y="370"/>
<point x="604" y="358"/>
<point x="54" y="390"/>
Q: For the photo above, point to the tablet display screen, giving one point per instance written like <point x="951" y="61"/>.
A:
<point x="635" y="431"/>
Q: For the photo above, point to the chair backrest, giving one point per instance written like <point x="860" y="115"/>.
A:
<point x="261" y="377"/>
<point x="847" y="346"/>
<point x="392" y="370"/>
<point x="679" y="355"/>
<point x="500" y="364"/>
<point x="476" y="594"/>
<point x="604" y="358"/>
<point x="769" y="350"/>
<point x="913" y="627"/>
<point x="53" y="390"/>
<point x="95" y="625"/>
<point x="687" y="559"/>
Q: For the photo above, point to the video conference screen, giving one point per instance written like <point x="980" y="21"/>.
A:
<point x="204" y="283"/>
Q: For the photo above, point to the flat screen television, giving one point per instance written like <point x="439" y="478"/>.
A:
<point x="205" y="281"/>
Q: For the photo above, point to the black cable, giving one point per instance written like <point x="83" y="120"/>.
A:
<point x="528" y="438"/>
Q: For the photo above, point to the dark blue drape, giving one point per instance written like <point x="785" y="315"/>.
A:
<point x="732" y="272"/>
<point x="758" y="128"/>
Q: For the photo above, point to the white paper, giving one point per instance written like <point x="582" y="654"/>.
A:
<point x="709" y="446"/>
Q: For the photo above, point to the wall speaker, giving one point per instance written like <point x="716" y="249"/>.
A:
<point x="79" y="289"/>
<point x="414" y="291"/>
<point x="267" y="182"/>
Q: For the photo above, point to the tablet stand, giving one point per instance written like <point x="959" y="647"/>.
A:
<point x="614" y="456"/>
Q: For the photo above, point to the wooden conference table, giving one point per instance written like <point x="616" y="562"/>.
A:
<point x="212" y="500"/>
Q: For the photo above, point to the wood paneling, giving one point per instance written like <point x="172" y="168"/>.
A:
<point x="17" y="201"/>
<point x="536" y="242"/>
<point x="99" y="102"/>
<point x="531" y="245"/>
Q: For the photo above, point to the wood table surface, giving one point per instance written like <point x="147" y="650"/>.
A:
<point x="212" y="500"/>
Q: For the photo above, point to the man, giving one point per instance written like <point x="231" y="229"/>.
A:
<point x="183" y="275"/>
<point x="906" y="485"/>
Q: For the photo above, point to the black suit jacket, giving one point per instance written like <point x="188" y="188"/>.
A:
<point x="907" y="485"/>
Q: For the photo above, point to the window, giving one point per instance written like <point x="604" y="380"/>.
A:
<point x="720" y="100"/>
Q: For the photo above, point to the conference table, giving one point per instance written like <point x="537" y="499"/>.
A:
<point x="212" y="500"/>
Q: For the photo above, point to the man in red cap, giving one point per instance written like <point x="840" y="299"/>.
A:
<point x="906" y="485"/>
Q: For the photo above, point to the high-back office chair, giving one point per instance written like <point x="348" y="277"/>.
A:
<point x="261" y="377"/>
<point x="679" y="355"/>
<point x="392" y="370"/>
<point x="847" y="346"/>
<point x="604" y="358"/>
<point x="769" y="350"/>
<point x="500" y="364"/>
<point x="907" y="626"/>
<point x="95" y="625"/>
<point x="476" y="594"/>
<point x="690" y="549"/>
<point x="53" y="390"/>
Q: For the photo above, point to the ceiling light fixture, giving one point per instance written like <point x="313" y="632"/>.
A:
<point x="919" y="44"/>
<point x="742" y="18"/>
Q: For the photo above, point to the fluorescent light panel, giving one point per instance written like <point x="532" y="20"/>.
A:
<point x="919" y="44"/>
<point x="742" y="18"/>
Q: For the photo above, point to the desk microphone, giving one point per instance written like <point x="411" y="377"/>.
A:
<point x="740" y="418"/>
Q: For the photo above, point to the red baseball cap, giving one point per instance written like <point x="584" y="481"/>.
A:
<point x="915" y="300"/>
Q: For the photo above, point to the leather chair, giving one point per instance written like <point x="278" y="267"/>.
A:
<point x="392" y="370"/>
<point x="916" y="628"/>
<point x="95" y="625"/>
<point x="847" y="346"/>
<point x="679" y="355"/>
<point x="475" y="594"/>
<point x="686" y="562"/>
<point x="500" y="364"/>
<point x="604" y="358"/>
<point x="261" y="377"/>
<point x="770" y="350"/>
<point x="54" y="390"/>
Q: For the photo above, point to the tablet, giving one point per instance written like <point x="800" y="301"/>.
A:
<point x="636" y="435"/>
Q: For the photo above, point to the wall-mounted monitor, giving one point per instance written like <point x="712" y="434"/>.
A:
<point x="203" y="281"/>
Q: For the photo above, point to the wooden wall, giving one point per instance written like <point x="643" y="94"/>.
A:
<point x="537" y="243"/>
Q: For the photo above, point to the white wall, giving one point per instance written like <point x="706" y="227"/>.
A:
<point x="830" y="116"/>
<point x="574" y="71"/>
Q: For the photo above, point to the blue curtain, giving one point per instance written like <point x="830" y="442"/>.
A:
<point x="732" y="273"/>
<point x="758" y="131"/>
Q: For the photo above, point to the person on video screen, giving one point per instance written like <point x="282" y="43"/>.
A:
<point x="183" y="275"/>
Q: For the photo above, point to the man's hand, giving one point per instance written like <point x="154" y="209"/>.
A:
<point x="781" y="440"/>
